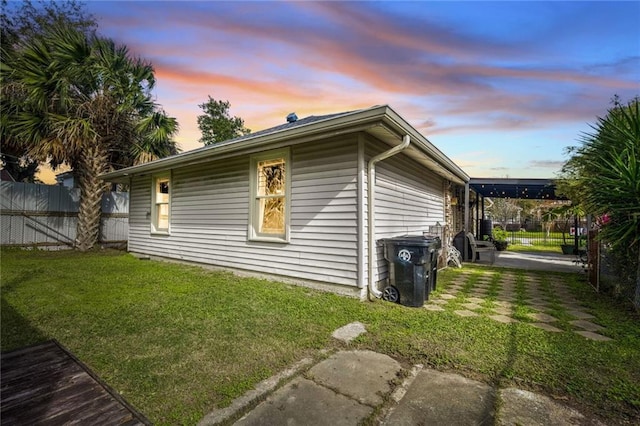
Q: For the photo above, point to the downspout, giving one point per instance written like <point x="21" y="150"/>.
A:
<point x="465" y="252"/>
<point x="371" y="203"/>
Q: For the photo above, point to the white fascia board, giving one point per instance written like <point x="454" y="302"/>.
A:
<point x="328" y="127"/>
<point x="417" y="139"/>
<point x="349" y="122"/>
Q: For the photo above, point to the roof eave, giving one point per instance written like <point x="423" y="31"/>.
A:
<point x="353" y="121"/>
<point x="427" y="147"/>
<point x="334" y="125"/>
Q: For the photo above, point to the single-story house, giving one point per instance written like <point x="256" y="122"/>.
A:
<point x="305" y="202"/>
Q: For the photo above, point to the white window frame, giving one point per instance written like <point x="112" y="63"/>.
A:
<point x="154" y="204"/>
<point x="254" y="208"/>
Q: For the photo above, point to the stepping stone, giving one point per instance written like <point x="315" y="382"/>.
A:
<point x="571" y="307"/>
<point x="447" y="296"/>
<point x="571" y="303"/>
<point x="502" y="311"/>
<point x="502" y="318"/>
<point x="538" y="306"/>
<point x="465" y="313"/>
<point x="586" y="325"/>
<point x="504" y="303"/>
<point x="593" y="336"/>
<point x="475" y="300"/>
<point x="438" y="301"/>
<point x="538" y="316"/>
<point x="355" y="378"/>
<point x="436" y="398"/>
<point x="521" y="407"/>
<point x="545" y="326"/>
<point x="471" y="306"/>
<point x="580" y="314"/>
<point x="301" y="400"/>
<point x="349" y="331"/>
<point x="430" y="307"/>
<point x="564" y="295"/>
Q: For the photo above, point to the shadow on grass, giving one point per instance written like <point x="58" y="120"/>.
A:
<point x="17" y="331"/>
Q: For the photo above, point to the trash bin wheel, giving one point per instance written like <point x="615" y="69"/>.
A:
<point x="391" y="294"/>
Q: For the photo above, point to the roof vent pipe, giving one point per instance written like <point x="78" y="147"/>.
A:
<point x="292" y="118"/>
<point x="371" y="217"/>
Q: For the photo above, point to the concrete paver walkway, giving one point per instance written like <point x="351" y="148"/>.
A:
<point x="352" y="387"/>
<point x="510" y="296"/>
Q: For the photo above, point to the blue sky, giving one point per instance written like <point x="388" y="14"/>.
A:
<point x="500" y="87"/>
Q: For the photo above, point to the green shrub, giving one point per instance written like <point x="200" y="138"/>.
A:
<point x="499" y="234"/>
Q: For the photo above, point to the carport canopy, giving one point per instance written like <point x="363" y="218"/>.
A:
<point x="526" y="189"/>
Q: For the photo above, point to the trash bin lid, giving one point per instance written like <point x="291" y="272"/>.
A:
<point x="413" y="240"/>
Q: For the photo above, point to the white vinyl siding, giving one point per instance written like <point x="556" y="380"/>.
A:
<point x="210" y="215"/>
<point x="409" y="198"/>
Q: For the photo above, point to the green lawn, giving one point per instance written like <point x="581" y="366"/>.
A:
<point x="535" y="248"/>
<point x="177" y="341"/>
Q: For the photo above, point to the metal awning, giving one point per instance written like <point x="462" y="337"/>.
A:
<point x="529" y="189"/>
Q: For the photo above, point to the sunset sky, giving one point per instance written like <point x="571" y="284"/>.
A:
<point x="501" y="88"/>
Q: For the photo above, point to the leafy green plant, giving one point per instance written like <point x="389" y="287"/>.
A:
<point x="499" y="234"/>
<point x="217" y="124"/>
<point x="85" y="101"/>
<point x="604" y="175"/>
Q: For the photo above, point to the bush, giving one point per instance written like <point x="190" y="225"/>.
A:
<point x="499" y="234"/>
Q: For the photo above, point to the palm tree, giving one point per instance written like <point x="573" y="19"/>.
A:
<point x="86" y="102"/>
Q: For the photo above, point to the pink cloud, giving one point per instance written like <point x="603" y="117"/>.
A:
<point x="269" y="59"/>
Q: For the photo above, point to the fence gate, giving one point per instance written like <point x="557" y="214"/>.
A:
<point x="33" y="215"/>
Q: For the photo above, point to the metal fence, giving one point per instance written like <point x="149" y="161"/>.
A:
<point x="539" y="233"/>
<point x="46" y="216"/>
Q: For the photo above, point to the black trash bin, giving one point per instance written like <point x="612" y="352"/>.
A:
<point x="413" y="263"/>
<point x="486" y="228"/>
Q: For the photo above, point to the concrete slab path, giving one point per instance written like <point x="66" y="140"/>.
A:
<point x="436" y="398"/>
<point x="535" y="261"/>
<point x="356" y="387"/>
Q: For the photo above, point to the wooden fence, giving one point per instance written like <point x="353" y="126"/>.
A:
<point x="46" y="216"/>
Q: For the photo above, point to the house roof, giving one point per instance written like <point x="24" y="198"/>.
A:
<point x="380" y="121"/>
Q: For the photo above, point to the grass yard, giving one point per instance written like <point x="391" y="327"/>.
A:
<point x="177" y="341"/>
<point x="535" y="248"/>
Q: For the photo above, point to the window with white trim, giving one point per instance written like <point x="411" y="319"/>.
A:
<point x="161" y="204"/>
<point x="270" y="192"/>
